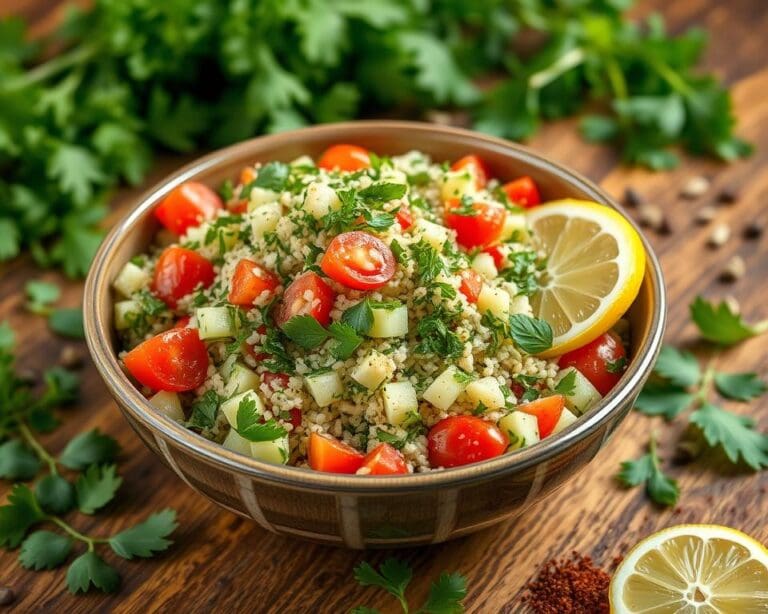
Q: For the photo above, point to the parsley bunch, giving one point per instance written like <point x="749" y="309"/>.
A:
<point x="88" y="457"/>
<point x="394" y="576"/>
<point x="128" y="81"/>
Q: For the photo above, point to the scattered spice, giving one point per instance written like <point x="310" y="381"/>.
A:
<point x="720" y="235"/>
<point x="705" y="215"/>
<point x="734" y="270"/>
<point x="572" y="584"/>
<point x="665" y="228"/>
<point x="695" y="187"/>
<point x="753" y="230"/>
<point x="728" y="196"/>
<point x="7" y="596"/>
<point x="632" y="198"/>
<point x="70" y="357"/>
<point x="651" y="216"/>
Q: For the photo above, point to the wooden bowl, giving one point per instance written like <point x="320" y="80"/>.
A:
<point x="359" y="511"/>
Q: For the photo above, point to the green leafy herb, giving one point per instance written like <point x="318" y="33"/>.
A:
<point x="87" y="449"/>
<point x="359" y="317"/>
<point x="45" y="550"/>
<point x="429" y="264"/>
<point x="309" y="334"/>
<point x="205" y="410"/>
<point x="381" y="193"/>
<point x="740" y="386"/>
<point x="663" y="399"/>
<point x="250" y="423"/>
<point x="616" y="366"/>
<point x="679" y="367"/>
<point x="90" y="569"/>
<point x="717" y="323"/>
<point x="436" y="336"/>
<point x="530" y="334"/>
<point x="146" y="538"/>
<point x="394" y="576"/>
<point x="567" y="385"/>
<point x="660" y="488"/>
<point x="67" y="322"/>
<point x="96" y="487"/>
<point x="41" y="295"/>
<point x="735" y="434"/>
<point x="271" y="176"/>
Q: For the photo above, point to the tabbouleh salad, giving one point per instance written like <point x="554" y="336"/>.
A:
<point x="358" y="314"/>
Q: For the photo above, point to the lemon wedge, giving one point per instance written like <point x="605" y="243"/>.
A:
<point x="696" y="569"/>
<point x="595" y="264"/>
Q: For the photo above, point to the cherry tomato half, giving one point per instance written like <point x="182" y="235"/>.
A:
<point x="178" y="272"/>
<point x="358" y="260"/>
<point x="249" y="282"/>
<point x="460" y="440"/>
<point x="404" y="218"/>
<point x="328" y="454"/>
<point x="307" y="295"/>
<point x="497" y="254"/>
<point x="344" y="158"/>
<point x="600" y="361"/>
<point x="471" y="284"/>
<point x="384" y="460"/>
<point x="475" y="165"/>
<point x="547" y="411"/>
<point x="479" y="229"/>
<point x="188" y="205"/>
<point x="522" y="192"/>
<point x="176" y="361"/>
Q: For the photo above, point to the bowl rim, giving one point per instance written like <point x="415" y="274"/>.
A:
<point x="98" y="336"/>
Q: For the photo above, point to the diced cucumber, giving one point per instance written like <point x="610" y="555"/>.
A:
<point x="584" y="394"/>
<point x="241" y="378"/>
<point x="432" y="233"/>
<point x="237" y="443"/>
<point x="483" y="263"/>
<point x="521" y="428"/>
<point x="169" y="404"/>
<point x="389" y="322"/>
<point x="302" y="161"/>
<point x="456" y="184"/>
<point x="123" y="312"/>
<point x="265" y="218"/>
<point x="566" y="419"/>
<point x="324" y="387"/>
<point x="320" y="200"/>
<point x="487" y="391"/>
<point x="275" y="452"/>
<point x="261" y="196"/>
<point x="446" y="388"/>
<point x="399" y="400"/>
<point x="373" y="369"/>
<point x="515" y="225"/>
<point x="393" y="175"/>
<point x="226" y="367"/>
<point x="494" y="300"/>
<point x="230" y="406"/>
<point x="215" y="322"/>
<point x="130" y="279"/>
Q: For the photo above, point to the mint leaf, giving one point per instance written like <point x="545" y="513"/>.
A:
<point x="530" y="334"/>
<point x="146" y="538"/>
<point x="89" y="449"/>
<point x="88" y="570"/>
<point x="735" y="434"/>
<point x="740" y="386"/>
<point x="97" y="487"/>
<point x="679" y="367"/>
<point x="44" y="550"/>
<point x="17" y="461"/>
<point x="717" y="323"/>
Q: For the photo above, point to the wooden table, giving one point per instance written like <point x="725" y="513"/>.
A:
<point x="224" y="563"/>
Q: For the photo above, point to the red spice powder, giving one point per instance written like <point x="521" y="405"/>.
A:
<point x="571" y="585"/>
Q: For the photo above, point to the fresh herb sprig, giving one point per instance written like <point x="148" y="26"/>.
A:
<point x="310" y="334"/>
<point x="647" y="470"/>
<point x="41" y="295"/>
<point x="445" y="594"/>
<point x="719" y="324"/>
<point x="89" y="457"/>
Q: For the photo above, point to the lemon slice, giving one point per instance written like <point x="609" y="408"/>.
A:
<point x="693" y="569"/>
<point x="595" y="264"/>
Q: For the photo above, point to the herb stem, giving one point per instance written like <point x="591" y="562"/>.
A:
<point x="41" y="452"/>
<point x="67" y="528"/>
<point x="43" y="71"/>
<point x="674" y="80"/>
<point x="615" y="76"/>
<point x="706" y="382"/>
<point x="652" y="449"/>
<point x="567" y="61"/>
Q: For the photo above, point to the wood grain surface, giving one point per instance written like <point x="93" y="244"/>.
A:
<point x="226" y="564"/>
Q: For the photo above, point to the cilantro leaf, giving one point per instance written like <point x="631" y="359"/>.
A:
<point x="679" y="367"/>
<point x="305" y="331"/>
<point x="530" y="334"/>
<point x="97" y="487"/>
<point x="76" y="170"/>
<point x="90" y="569"/>
<point x="347" y="340"/>
<point x="735" y="434"/>
<point x="663" y="399"/>
<point x="660" y="488"/>
<point x="382" y="192"/>
<point x="55" y="494"/>
<point x="40" y="295"/>
<point x="89" y="448"/>
<point x="250" y="425"/>
<point x="67" y="322"/>
<point x="393" y="576"/>
<point x="740" y="386"/>
<point x="717" y="323"/>
<point x="146" y="538"/>
<point x="44" y="550"/>
<point x="17" y="461"/>
<point x="271" y="176"/>
<point x="567" y="385"/>
<point x="446" y="595"/>
<point x="21" y="512"/>
<point x="204" y="410"/>
<point x="359" y="317"/>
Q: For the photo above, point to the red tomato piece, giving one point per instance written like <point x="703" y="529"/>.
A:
<point x="601" y="361"/>
<point x="328" y="454"/>
<point x="471" y="284"/>
<point x="498" y="256"/>
<point x="296" y="417"/>
<point x="547" y="411"/>
<point x="188" y="205"/>
<point x="249" y="281"/>
<point x="178" y="272"/>
<point x="344" y="158"/>
<point x="251" y="351"/>
<point x="523" y="192"/>
<point x="176" y="361"/>
<point x="358" y="260"/>
<point x="481" y="228"/>
<point x="307" y="295"/>
<point x="460" y="440"/>
<point x="276" y="381"/>
<point x="238" y="206"/>
<point x="404" y="218"/>
<point x="182" y="322"/>
<point x="384" y="460"/>
<point x="475" y="165"/>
